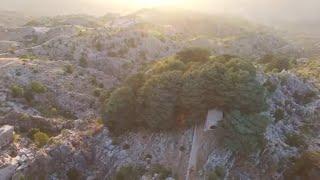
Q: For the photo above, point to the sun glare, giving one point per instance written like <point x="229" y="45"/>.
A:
<point x="146" y="3"/>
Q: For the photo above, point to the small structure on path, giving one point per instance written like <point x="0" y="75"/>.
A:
<point x="213" y="118"/>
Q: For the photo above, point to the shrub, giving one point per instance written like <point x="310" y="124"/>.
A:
<point x="129" y="172"/>
<point x="32" y="132"/>
<point x="295" y="140"/>
<point x="193" y="54"/>
<point x="217" y="174"/>
<point x="17" y="91"/>
<point x="305" y="167"/>
<point x="279" y="114"/>
<point x="97" y="92"/>
<point x="83" y="62"/>
<point x="162" y="171"/>
<point x="120" y="109"/>
<point x="37" y="87"/>
<point x="244" y="133"/>
<point x="41" y="139"/>
<point x="68" y="69"/>
<point x="73" y="174"/>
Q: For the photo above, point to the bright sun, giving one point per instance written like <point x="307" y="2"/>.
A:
<point x="152" y="3"/>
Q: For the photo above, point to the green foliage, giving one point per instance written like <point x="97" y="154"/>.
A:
<point x="244" y="133"/>
<point x="97" y="92"/>
<point x="68" y="69"/>
<point x="74" y="174"/>
<point x="158" y="99"/>
<point x="17" y="91"/>
<point x="129" y="172"/>
<point x="83" y="62"/>
<point x="217" y="174"/>
<point x="295" y="140"/>
<point x="30" y="57"/>
<point x="305" y="167"/>
<point x="169" y="64"/>
<point x="162" y="171"/>
<point x="37" y="87"/>
<point x="194" y="54"/>
<point x="276" y="63"/>
<point x="279" y="114"/>
<point x="168" y="89"/>
<point x="32" y="132"/>
<point x="226" y="84"/>
<point x="120" y="109"/>
<point x="41" y="139"/>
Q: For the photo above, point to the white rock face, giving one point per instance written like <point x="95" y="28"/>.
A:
<point x="6" y="135"/>
<point x="213" y="118"/>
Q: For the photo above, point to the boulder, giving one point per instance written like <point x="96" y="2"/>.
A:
<point x="6" y="135"/>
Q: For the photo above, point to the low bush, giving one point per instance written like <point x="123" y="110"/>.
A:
<point x="17" y="91"/>
<point x="83" y="62"/>
<point x="68" y="69"/>
<point x="307" y="167"/>
<point x="129" y="172"/>
<point x="40" y="139"/>
<point x="217" y="174"/>
<point x="295" y="140"/>
<point x="37" y="87"/>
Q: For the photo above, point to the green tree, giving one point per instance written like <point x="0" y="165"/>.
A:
<point x="158" y="100"/>
<point x="120" y="111"/>
<point x="193" y="54"/>
<point x="244" y="133"/>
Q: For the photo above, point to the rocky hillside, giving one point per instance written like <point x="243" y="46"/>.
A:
<point x="113" y="97"/>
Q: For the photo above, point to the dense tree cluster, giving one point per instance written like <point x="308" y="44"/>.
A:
<point x="244" y="132"/>
<point x="277" y="63"/>
<point x="178" y="90"/>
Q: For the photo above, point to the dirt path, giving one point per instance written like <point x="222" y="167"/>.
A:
<point x="9" y="62"/>
<point x="196" y="142"/>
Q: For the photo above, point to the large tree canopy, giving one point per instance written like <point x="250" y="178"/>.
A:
<point x="164" y="90"/>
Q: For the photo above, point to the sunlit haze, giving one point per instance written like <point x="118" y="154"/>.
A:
<point x="262" y="9"/>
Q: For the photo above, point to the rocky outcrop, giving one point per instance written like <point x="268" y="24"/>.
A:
<point x="6" y="135"/>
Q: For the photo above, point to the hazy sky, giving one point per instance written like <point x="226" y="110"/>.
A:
<point x="262" y="9"/>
